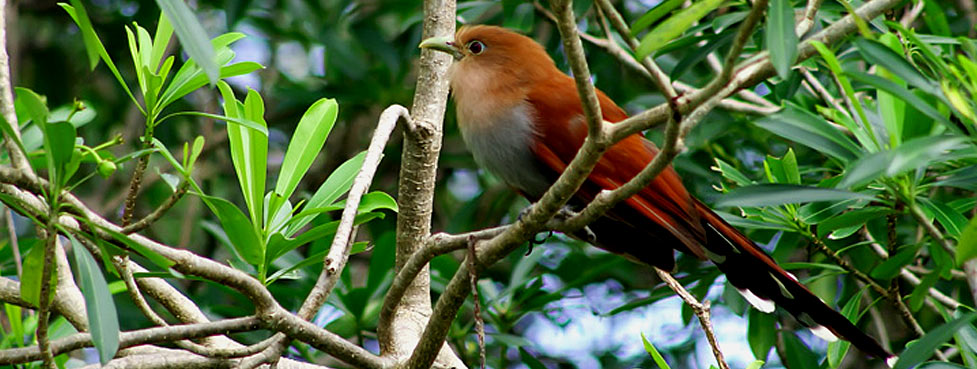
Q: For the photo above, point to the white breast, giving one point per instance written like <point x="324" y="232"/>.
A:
<point x="503" y="146"/>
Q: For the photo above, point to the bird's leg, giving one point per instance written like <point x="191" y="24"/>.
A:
<point x="534" y="241"/>
<point x="565" y="213"/>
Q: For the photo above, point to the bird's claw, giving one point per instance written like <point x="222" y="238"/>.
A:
<point x="534" y="241"/>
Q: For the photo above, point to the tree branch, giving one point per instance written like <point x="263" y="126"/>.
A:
<point x="134" y="338"/>
<point x="398" y="332"/>
<point x="701" y="310"/>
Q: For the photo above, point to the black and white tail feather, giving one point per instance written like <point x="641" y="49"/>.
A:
<point x="765" y="285"/>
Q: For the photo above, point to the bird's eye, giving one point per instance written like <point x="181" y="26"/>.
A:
<point x="476" y="47"/>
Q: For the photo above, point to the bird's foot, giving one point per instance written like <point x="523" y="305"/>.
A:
<point x="534" y="241"/>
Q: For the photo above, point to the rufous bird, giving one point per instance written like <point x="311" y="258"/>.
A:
<point x="522" y="119"/>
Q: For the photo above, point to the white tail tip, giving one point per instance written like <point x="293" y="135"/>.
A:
<point x="759" y="303"/>
<point x="824" y="333"/>
<point x="891" y="361"/>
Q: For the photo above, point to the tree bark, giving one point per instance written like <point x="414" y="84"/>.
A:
<point x="418" y="173"/>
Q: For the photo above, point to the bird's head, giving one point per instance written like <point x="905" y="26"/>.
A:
<point x="492" y="59"/>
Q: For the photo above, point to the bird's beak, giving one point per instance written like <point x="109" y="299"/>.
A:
<point x="443" y="44"/>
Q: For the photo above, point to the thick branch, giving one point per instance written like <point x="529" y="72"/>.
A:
<point x="135" y="338"/>
<point x="399" y="332"/>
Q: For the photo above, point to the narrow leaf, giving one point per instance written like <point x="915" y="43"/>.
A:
<point x="192" y="36"/>
<point x="307" y="141"/>
<point x="799" y="125"/>
<point x="967" y="247"/>
<point x="238" y="228"/>
<point x="924" y="347"/>
<point x="650" y="348"/>
<point x="875" y="52"/>
<point x="98" y="303"/>
<point x="674" y="26"/>
<point x="30" y="283"/>
<point x="781" y="41"/>
<point x="779" y="194"/>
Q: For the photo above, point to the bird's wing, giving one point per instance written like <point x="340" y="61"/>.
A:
<point x="665" y="203"/>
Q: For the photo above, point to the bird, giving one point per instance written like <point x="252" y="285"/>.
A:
<point x="522" y="119"/>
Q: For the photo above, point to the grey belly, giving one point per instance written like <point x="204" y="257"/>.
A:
<point x="505" y="150"/>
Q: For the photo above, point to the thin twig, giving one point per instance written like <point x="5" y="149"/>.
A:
<point x="807" y="21"/>
<point x="891" y="295"/>
<point x="910" y="16"/>
<point x="160" y="210"/>
<point x="122" y="265"/>
<point x="8" y="216"/>
<point x="658" y="77"/>
<point x="17" y="158"/>
<point x="44" y="304"/>
<point x="135" y="184"/>
<point x="134" y="338"/>
<point x="969" y="268"/>
<point x="821" y="90"/>
<point x="479" y="322"/>
<point x="701" y="310"/>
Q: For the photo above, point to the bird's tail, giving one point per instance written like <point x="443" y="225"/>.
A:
<point x="765" y="284"/>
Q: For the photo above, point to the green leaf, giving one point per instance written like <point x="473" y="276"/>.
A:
<point x="756" y="364"/>
<point x="799" y="125"/>
<point x="15" y="317"/>
<point x="854" y="218"/>
<point x="921" y="152"/>
<point x="30" y="283"/>
<point x="373" y="201"/>
<point x="890" y="268"/>
<point x="940" y="365"/>
<point x="255" y="145"/>
<point x="650" y="348"/>
<point x="761" y="332"/>
<point x="192" y="36"/>
<point x="892" y="110"/>
<point x="153" y="256"/>
<point x="247" y="244"/>
<point x="935" y="18"/>
<point x="102" y="316"/>
<point x="529" y="360"/>
<point x="249" y="148"/>
<point x="674" y="26"/>
<point x="798" y="355"/>
<point x="307" y="141"/>
<point x="903" y="94"/>
<point x="161" y="40"/>
<point x="731" y="173"/>
<point x="779" y="194"/>
<point x="921" y="291"/>
<point x="338" y="183"/>
<point x="911" y="155"/>
<point x="864" y="132"/>
<point x="951" y="220"/>
<point x="279" y="245"/>
<point x="924" y="347"/>
<point x="316" y="258"/>
<point x="781" y="41"/>
<point x="838" y="349"/>
<point x="77" y="12"/>
<point x="191" y="81"/>
<point x="247" y="123"/>
<point x="875" y="52"/>
<point x="654" y="15"/>
<point x="61" y="143"/>
<point x="967" y="246"/>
